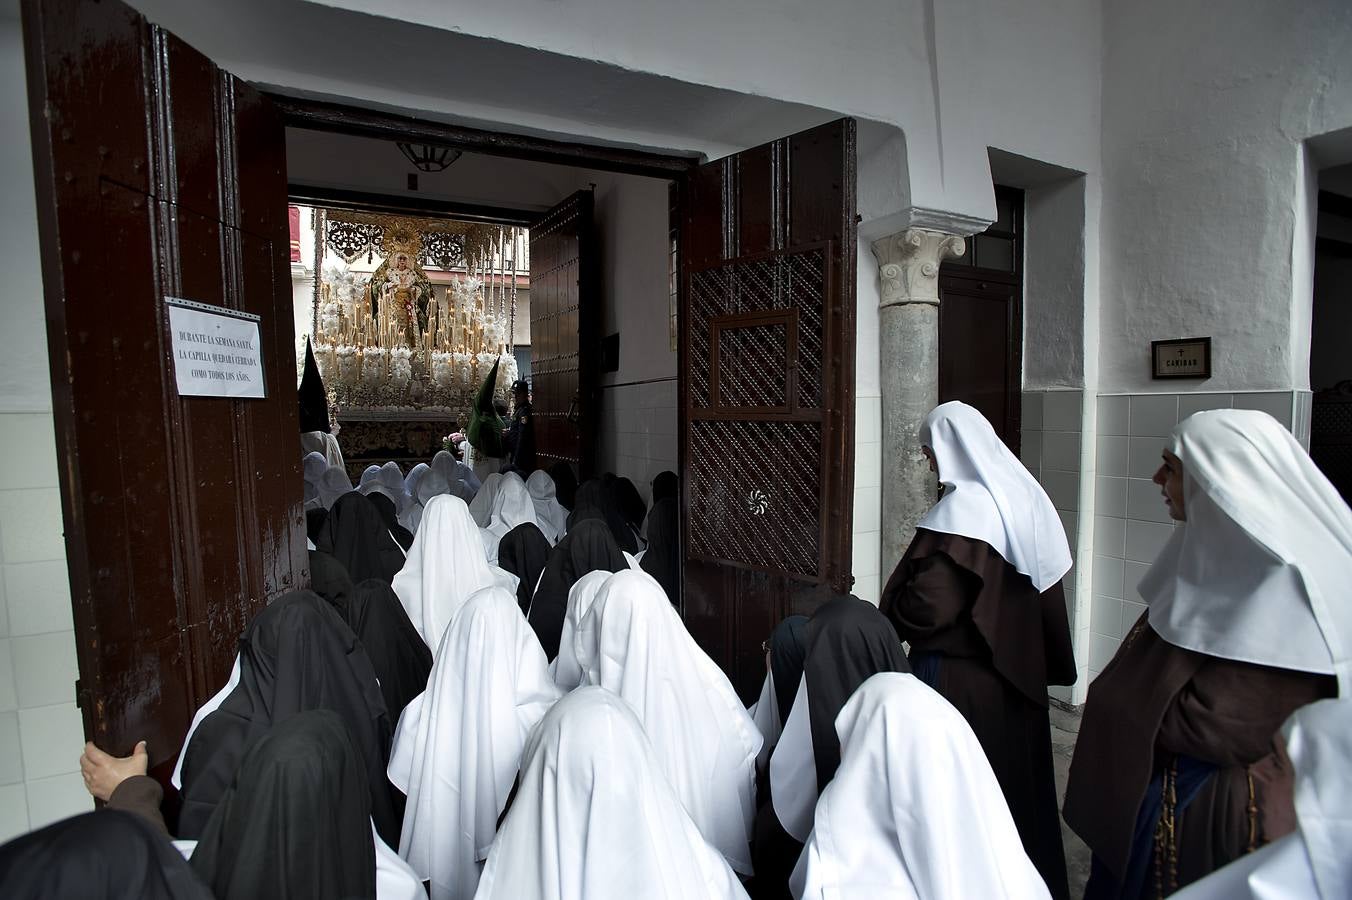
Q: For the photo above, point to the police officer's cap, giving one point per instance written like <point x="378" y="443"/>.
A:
<point x="521" y="384"/>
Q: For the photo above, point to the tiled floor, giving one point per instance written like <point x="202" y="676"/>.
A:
<point x="1065" y="729"/>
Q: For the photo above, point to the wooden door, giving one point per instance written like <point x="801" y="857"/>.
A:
<point x="767" y="389"/>
<point x="159" y="175"/>
<point x="981" y="321"/>
<point x="565" y="333"/>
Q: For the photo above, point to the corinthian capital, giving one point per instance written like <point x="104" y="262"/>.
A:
<point x="908" y="263"/>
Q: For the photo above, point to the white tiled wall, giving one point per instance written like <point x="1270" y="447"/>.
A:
<point x="1052" y="448"/>
<point x="1131" y="523"/>
<point x="638" y="432"/>
<point x="870" y="570"/>
<point x="41" y="734"/>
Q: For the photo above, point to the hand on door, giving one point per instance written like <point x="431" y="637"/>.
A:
<point x="103" y="772"/>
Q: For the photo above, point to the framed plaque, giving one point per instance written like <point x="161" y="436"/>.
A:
<point x="1182" y="358"/>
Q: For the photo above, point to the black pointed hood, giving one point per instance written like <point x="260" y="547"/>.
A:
<point x="314" y="403"/>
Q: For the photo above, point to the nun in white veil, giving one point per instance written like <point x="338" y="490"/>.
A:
<point x="314" y="465"/>
<point x="458" y="745"/>
<point x="512" y="506"/>
<point x="914" y="810"/>
<point x="565" y="668"/>
<point x="595" y="818"/>
<point x="481" y="507"/>
<point x="633" y="643"/>
<point x="333" y="484"/>
<point x="549" y="514"/>
<point x="445" y="566"/>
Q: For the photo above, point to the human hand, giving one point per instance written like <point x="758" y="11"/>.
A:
<point x="103" y="772"/>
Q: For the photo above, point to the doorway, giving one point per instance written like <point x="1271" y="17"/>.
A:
<point x="1331" y="331"/>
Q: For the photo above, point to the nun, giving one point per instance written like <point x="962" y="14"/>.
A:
<point x="390" y="516"/>
<point x="524" y="552"/>
<point x="633" y="644"/>
<point x="1175" y="770"/>
<point x="589" y="547"/>
<point x="445" y="566"/>
<point x="512" y="506"/>
<point x="333" y="484"/>
<point x="1312" y="862"/>
<point x="596" y="499"/>
<point x="549" y="514"/>
<point x="429" y="485"/>
<point x="401" y="660"/>
<point x="411" y="480"/>
<point x="357" y="536"/>
<point x="565" y="484"/>
<point x="481" y="507"/>
<point x="313" y="467"/>
<point x="662" y="558"/>
<point x="978" y="597"/>
<point x="105" y="855"/>
<point x="296" y="655"/>
<point x="459" y="743"/>
<point x="914" y="809"/>
<point x="785" y="652"/>
<point x="596" y="818"/>
<point x="565" y="668"/>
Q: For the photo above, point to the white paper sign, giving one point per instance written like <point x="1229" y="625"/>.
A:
<point x="217" y="351"/>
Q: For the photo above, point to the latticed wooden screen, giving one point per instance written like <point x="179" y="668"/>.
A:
<point x="755" y="451"/>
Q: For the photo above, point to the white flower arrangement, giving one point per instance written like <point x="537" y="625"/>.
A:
<point x="464" y="369"/>
<point x="508" y="371"/>
<point x="348" y="360"/>
<point x="443" y="368"/>
<point x="373" y="364"/>
<point x="401" y="366"/>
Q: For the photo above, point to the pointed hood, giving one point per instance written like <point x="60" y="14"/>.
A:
<point x="485" y="425"/>
<point x="314" y="403"/>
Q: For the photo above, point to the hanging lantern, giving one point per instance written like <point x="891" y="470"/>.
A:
<point x="428" y="157"/>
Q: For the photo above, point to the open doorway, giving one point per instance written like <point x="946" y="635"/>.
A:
<point x="1331" y="331"/>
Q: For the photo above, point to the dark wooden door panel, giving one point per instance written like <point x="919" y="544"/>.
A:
<point x="565" y="325"/>
<point x="159" y="175"/>
<point x="979" y="359"/>
<point x="767" y="392"/>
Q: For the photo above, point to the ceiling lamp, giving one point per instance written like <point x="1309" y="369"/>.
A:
<point x="427" y="157"/>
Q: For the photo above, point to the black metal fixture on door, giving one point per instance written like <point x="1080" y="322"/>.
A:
<point x="428" y="157"/>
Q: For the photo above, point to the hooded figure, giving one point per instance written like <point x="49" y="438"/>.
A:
<point x="400" y="658"/>
<point x="565" y="668"/>
<point x="415" y="475"/>
<point x="565" y="484"/>
<point x="358" y="537"/>
<point x="314" y="466"/>
<point x="330" y="580"/>
<point x="481" y="507"/>
<point x="662" y="559"/>
<point x="103" y="855"/>
<point x="788" y="648"/>
<point x="445" y="566"/>
<point x="588" y="547"/>
<point x="314" y="402"/>
<point x="848" y="640"/>
<point x="296" y="655"/>
<point x="594" y="817"/>
<point x="524" y="552"/>
<point x="913" y="810"/>
<point x="459" y="477"/>
<point x="633" y="644"/>
<point x="388" y="480"/>
<point x="458" y="746"/>
<point x="1248" y="621"/>
<point x="549" y="515"/>
<point x="1311" y="863"/>
<point x="485" y="425"/>
<point x="978" y="597"/>
<point x="295" y="819"/>
<point x="512" y="506"/>
<point x="333" y="484"/>
<point x="385" y="507"/>
<point x="430" y="485"/>
<point x="597" y="499"/>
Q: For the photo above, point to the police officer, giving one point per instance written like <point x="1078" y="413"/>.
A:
<point x="520" y="435"/>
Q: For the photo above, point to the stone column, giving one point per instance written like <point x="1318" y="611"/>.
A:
<point x="908" y="264"/>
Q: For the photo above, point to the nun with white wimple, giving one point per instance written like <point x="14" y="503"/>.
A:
<point x="633" y="643"/>
<point x="481" y="507"/>
<point x="1248" y="621"/>
<point x="458" y="745"/>
<point x="512" y="506"/>
<point x="978" y="596"/>
<point x="914" y="810"/>
<point x="549" y="514"/>
<point x="1313" y="862"/>
<point x="445" y="566"/>
<point x="595" y="818"/>
<point x="411" y="514"/>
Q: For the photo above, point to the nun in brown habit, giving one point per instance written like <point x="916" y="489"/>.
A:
<point x="1177" y="770"/>
<point x="978" y="596"/>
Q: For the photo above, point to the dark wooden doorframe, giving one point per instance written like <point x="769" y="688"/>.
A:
<point x="324" y="115"/>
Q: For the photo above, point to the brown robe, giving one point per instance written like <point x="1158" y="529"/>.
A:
<point x="1155" y="701"/>
<point x="1002" y="643"/>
